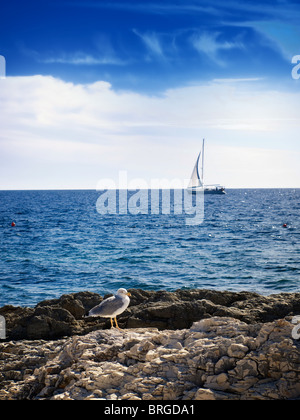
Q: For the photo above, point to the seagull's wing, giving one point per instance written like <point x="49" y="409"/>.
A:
<point x="107" y="307"/>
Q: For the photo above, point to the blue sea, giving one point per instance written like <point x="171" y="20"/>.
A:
<point x="60" y="244"/>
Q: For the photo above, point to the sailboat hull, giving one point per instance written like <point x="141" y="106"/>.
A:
<point x="216" y="191"/>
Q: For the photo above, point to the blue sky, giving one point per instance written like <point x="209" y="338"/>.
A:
<point x="149" y="46"/>
<point x="93" y="87"/>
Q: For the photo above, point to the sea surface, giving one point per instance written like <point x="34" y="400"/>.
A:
<point x="60" y="244"/>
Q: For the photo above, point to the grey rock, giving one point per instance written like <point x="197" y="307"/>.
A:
<point x="218" y="358"/>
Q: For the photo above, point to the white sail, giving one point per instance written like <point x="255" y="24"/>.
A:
<point x="195" y="180"/>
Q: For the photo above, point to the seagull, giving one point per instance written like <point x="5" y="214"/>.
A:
<point x="112" y="306"/>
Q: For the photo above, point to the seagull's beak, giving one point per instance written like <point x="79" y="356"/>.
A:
<point x="128" y="294"/>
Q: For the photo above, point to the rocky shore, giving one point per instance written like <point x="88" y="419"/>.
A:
<point x="66" y="316"/>
<point x="183" y="345"/>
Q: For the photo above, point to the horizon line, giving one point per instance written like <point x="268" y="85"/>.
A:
<point x="135" y="189"/>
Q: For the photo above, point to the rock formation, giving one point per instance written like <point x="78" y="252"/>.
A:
<point x="183" y="345"/>
<point x="218" y="358"/>
<point x="65" y="316"/>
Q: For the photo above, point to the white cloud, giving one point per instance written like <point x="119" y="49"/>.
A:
<point x="61" y="135"/>
<point x="105" y="55"/>
<point x="152" y="42"/>
<point x="261" y="167"/>
<point x="211" y="45"/>
<point x="83" y="59"/>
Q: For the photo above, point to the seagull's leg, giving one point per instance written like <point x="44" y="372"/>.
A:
<point x="112" y="323"/>
<point x="117" y="323"/>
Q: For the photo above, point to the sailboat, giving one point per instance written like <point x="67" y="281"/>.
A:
<point x="197" y="183"/>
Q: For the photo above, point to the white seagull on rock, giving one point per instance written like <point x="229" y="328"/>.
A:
<point x="112" y="306"/>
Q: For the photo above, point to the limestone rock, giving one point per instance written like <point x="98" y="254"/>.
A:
<point x="217" y="358"/>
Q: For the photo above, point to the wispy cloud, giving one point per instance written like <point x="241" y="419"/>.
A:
<point x="238" y="80"/>
<point x="151" y="7"/>
<point x="282" y="9"/>
<point x="284" y="36"/>
<point x="80" y="58"/>
<point x="211" y="45"/>
<point x="153" y="43"/>
<point x="103" y="55"/>
<point x="286" y="10"/>
<point x="175" y="38"/>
